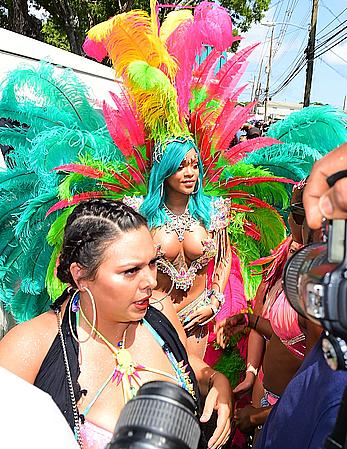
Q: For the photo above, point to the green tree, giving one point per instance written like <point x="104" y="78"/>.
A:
<point x="69" y="20"/>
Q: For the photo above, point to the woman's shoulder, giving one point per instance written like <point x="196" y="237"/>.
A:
<point x="220" y="213"/>
<point x="24" y="347"/>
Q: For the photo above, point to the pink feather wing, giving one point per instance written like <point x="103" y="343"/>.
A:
<point x="239" y="151"/>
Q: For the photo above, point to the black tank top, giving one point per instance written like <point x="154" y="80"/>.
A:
<point x="52" y="379"/>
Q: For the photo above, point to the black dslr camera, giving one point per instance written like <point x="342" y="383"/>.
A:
<point x="315" y="283"/>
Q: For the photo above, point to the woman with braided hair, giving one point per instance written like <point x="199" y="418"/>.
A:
<point x="102" y="336"/>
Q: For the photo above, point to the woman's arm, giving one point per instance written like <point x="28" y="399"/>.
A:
<point x="255" y="350"/>
<point x="222" y="269"/>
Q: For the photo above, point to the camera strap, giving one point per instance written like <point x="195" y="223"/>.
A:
<point x="332" y="179"/>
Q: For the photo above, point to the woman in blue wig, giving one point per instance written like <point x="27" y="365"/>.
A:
<point x="190" y="229"/>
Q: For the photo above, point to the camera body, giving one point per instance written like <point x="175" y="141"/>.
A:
<point x="315" y="283"/>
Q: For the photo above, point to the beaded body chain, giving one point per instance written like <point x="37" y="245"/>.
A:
<point x="77" y="430"/>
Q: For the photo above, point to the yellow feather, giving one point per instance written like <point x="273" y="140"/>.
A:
<point x="172" y="21"/>
<point x="154" y="17"/>
<point x="156" y="101"/>
<point x="129" y="37"/>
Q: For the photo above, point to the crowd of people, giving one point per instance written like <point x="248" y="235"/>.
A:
<point x="149" y="244"/>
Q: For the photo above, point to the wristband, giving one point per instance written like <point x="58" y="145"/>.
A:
<point x="256" y="322"/>
<point x="251" y="369"/>
<point x="215" y="309"/>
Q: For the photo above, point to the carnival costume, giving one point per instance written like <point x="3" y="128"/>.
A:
<point x="64" y="153"/>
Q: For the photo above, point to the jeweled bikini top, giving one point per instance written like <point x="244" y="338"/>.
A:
<point x="180" y="274"/>
<point x="184" y="277"/>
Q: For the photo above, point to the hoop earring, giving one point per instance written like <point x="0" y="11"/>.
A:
<point x="73" y="304"/>
<point x="164" y="297"/>
<point x="197" y="188"/>
<point x="162" y="191"/>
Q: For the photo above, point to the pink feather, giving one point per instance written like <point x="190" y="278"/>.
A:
<point x="130" y="119"/>
<point x="215" y="25"/>
<point x="205" y="70"/>
<point x="230" y="73"/>
<point x="184" y="44"/>
<point x="95" y="50"/>
<point x="230" y="121"/>
<point x="117" y="132"/>
<point x="239" y="151"/>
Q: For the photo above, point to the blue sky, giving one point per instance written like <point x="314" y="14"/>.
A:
<point x="330" y="70"/>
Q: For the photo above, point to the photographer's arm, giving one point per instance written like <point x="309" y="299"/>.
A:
<point x="320" y="200"/>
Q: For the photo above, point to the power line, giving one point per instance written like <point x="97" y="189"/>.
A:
<point x="326" y="26"/>
<point x="331" y="12"/>
<point x="333" y="68"/>
<point x="340" y="57"/>
<point x="302" y="63"/>
<point x="330" y="41"/>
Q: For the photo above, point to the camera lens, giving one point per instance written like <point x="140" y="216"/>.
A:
<point x="304" y="260"/>
<point x="162" y="415"/>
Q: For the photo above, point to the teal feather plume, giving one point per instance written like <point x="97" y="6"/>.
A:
<point x="320" y="127"/>
<point x="48" y="87"/>
<point x="61" y="126"/>
<point x="290" y="160"/>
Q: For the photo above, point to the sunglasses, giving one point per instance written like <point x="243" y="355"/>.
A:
<point x="298" y="213"/>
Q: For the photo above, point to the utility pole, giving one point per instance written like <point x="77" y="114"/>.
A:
<point x="253" y="89"/>
<point x="310" y="53"/>
<point x="268" y="75"/>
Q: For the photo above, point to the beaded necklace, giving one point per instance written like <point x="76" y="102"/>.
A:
<point x="127" y="373"/>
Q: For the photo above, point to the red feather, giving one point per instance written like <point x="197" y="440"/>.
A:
<point x="84" y="170"/>
<point x="230" y="124"/>
<point x="75" y="200"/>
<point x="241" y="180"/>
<point x="251" y="230"/>
<point x="240" y="208"/>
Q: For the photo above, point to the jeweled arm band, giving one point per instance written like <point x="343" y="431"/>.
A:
<point x="219" y="296"/>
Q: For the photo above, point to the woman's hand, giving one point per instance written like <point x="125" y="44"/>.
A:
<point x="198" y="318"/>
<point x="245" y="385"/>
<point x="229" y="327"/>
<point x="243" y="418"/>
<point x="219" y="398"/>
<point x="249" y="417"/>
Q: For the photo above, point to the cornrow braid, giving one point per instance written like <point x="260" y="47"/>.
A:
<point x="89" y="229"/>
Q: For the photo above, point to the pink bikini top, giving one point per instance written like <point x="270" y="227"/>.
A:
<point x="94" y="437"/>
<point x="285" y="323"/>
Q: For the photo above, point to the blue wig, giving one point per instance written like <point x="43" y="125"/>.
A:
<point x="152" y="207"/>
